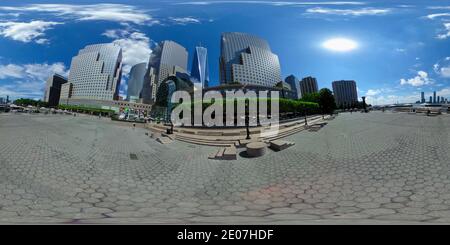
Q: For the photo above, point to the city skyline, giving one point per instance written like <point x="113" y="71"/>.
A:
<point x="326" y="40"/>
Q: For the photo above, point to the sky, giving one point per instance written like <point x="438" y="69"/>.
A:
<point x="392" y="49"/>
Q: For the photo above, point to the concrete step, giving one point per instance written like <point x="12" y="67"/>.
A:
<point x="208" y="143"/>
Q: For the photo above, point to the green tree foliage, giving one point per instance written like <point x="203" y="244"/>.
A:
<point x="86" y="109"/>
<point x="311" y="97"/>
<point x="27" y="102"/>
<point x="326" y="100"/>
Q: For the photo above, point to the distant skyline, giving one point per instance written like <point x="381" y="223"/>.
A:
<point x="392" y="49"/>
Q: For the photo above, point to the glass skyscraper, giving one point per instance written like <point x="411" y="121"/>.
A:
<point x="308" y="85"/>
<point x="295" y="86"/>
<point x="248" y="60"/>
<point x="167" y="58"/>
<point x="345" y="93"/>
<point x="96" y="72"/>
<point x="136" y="82"/>
<point x="53" y="89"/>
<point x="199" y="69"/>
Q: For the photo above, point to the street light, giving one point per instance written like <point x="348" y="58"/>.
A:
<point x="306" y="121"/>
<point x="247" y="119"/>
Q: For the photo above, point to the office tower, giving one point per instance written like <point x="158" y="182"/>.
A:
<point x="53" y="89"/>
<point x="345" y="92"/>
<point x="136" y="82"/>
<point x="165" y="56"/>
<point x="7" y="99"/>
<point x="200" y="69"/>
<point x="308" y="85"/>
<point x="66" y="93"/>
<point x="438" y="99"/>
<point x="434" y="97"/>
<point x="294" y="83"/>
<point x="431" y="100"/>
<point x="422" y="98"/>
<point x="247" y="59"/>
<point x="96" y="71"/>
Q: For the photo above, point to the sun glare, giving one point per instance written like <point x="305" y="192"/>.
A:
<point x="340" y="44"/>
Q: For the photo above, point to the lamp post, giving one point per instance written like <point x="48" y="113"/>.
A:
<point x="247" y="119"/>
<point x="306" y="121"/>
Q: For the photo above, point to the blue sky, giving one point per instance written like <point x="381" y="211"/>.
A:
<point x="402" y="46"/>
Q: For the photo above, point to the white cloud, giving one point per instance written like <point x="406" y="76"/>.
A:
<point x="185" y="20"/>
<point x="26" y="31"/>
<point x="272" y="3"/>
<point x="135" y="47"/>
<point x="348" y="12"/>
<point x="28" y="80"/>
<point x="419" y="80"/>
<point x="438" y="7"/>
<point x="438" y="15"/>
<point x="32" y="71"/>
<point x="108" y="12"/>
<point x="372" y="92"/>
<point x="446" y="33"/>
<point x="442" y="67"/>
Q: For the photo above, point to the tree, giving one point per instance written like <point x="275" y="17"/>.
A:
<point x="326" y="100"/>
<point x="311" y="97"/>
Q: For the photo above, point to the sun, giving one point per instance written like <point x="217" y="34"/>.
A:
<point x="340" y="44"/>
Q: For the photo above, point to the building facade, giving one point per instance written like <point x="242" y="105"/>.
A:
<point x="422" y="97"/>
<point x="96" y="72"/>
<point x="136" y="82"/>
<point x="308" y="85"/>
<point x="66" y="93"/>
<point x="165" y="56"/>
<point x="247" y="59"/>
<point x="53" y="89"/>
<point x="295" y="85"/>
<point x="200" y="69"/>
<point x="345" y="93"/>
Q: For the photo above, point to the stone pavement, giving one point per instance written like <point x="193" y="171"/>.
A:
<point x="376" y="168"/>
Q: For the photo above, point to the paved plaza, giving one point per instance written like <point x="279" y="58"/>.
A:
<point x="375" y="168"/>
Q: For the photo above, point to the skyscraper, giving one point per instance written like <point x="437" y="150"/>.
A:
<point x="295" y="86"/>
<point x="248" y="59"/>
<point x="345" y="92"/>
<point x="438" y="99"/>
<point x="200" y="69"/>
<point x="136" y="82"/>
<point x="96" y="71"/>
<point x="308" y="85"/>
<point x="434" y="97"/>
<point x="431" y="100"/>
<point x="422" y="98"/>
<point x="53" y="89"/>
<point x="166" y="58"/>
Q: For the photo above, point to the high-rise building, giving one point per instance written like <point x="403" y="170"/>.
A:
<point x="345" y="92"/>
<point x="422" y="98"/>
<point x="248" y="59"/>
<point x="96" y="71"/>
<point x="52" y="91"/>
<point x="136" y="82"/>
<point x="438" y="99"/>
<point x="66" y="93"/>
<point x="434" y="97"/>
<point x="295" y="86"/>
<point x="165" y="56"/>
<point x="431" y="100"/>
<point x="308" y="85"/>
<point x="200" y="69"/>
